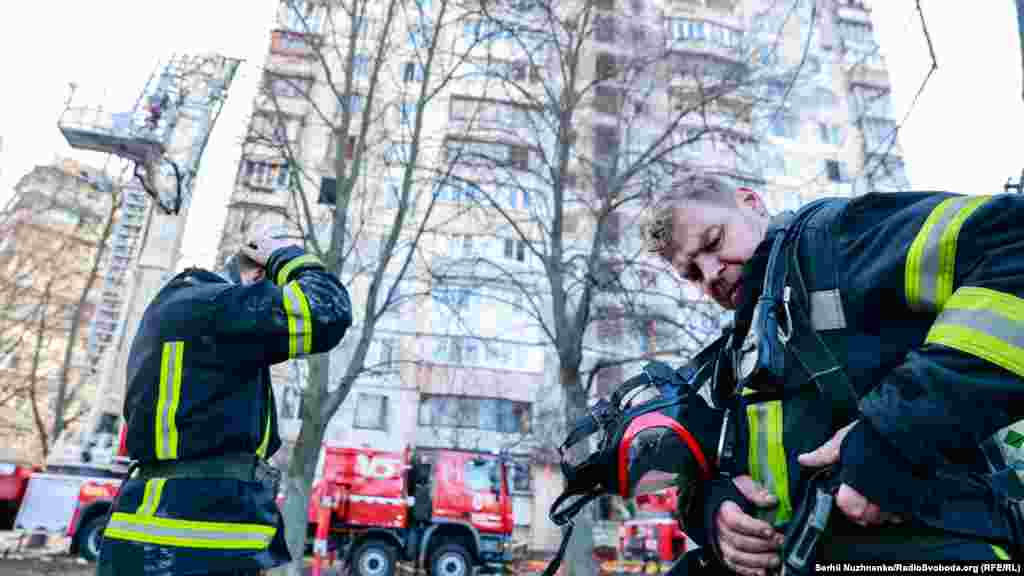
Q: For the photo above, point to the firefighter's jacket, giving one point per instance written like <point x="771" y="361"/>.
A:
<point x="199" y="387"/>
<point x="919" y="300"/>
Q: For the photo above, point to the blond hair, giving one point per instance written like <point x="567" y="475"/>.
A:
<point x="693" y="186"/>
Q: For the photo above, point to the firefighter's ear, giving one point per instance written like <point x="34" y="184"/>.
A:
<point x="747" y="198"/>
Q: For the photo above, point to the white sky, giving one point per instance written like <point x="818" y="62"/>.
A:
<point x="960" y="136"/>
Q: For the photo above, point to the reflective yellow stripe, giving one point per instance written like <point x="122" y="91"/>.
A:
<point x="286" y="270"/>
<point x="983" y="323"/>
<point x="262" y="450"/>
<point x="767" y="455"/>
<point x="151" y="497"/>
<point x="931" y="260"/>
<point x="166" y="429"/>
<point x="1000" y="553"/>
<point x="300" y="324"/>
<point x="189" y="533"/>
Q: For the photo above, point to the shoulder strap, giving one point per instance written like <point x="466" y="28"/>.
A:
<point x="814" y="355"/>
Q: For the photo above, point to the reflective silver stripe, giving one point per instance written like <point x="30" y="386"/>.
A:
<point x="827" y="310"/>
<point x="930" y="268"/>
<point x="986" y="322"/>
<point x="374" y="499"/>
<point x="931" y="259"/>
<point x="187" y="533"/>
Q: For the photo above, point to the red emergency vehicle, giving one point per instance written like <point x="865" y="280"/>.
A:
<point x="14" y="477"/>
<point x="447" y="511"/>
<point x="654" y="534"/>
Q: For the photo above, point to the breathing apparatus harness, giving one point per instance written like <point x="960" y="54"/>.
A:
<point x="677" y="432"/>
<point x="668" y="437"/>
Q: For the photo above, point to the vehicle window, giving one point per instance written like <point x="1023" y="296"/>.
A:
<point x="480" y="475"/>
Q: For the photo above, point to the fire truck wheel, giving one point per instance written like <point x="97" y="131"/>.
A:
<point x="90" y="537"/>
<point x="450" y="560"/>
<point x="374" y="558"/>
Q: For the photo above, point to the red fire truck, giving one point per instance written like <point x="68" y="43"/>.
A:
<point x="653" y="535"/>
<point x="447" y="511"/>
<point x="14" y="477"/>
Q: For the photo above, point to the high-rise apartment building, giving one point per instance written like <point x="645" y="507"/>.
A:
<point x="787" y="98"/>
<point x="49" y="237"/>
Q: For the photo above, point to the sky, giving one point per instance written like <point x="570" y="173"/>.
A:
<point x="959" y="136"/>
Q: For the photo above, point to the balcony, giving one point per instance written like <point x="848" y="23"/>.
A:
<point x="294" y="44"/>
<point x="693" y="35"/>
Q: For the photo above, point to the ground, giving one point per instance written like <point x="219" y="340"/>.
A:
<point x="46" y="566"/>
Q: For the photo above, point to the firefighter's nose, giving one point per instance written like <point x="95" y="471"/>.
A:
<point x="710" y="271"/>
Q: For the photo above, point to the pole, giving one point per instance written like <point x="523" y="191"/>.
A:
<point x="1020" y="34"/>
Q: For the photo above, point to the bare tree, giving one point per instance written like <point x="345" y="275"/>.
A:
<point x="56" y="221"/>
<point x="363" y="63"/>
<point x="571" y="144"/>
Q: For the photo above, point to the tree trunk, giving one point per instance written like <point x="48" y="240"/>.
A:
<point x="41" y="342"/>
<point x="579" y="556"/>
<point x="298" y="479"/>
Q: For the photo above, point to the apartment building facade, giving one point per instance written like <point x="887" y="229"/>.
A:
<point x="49" y="237"/>
<point x="466" y="363"/>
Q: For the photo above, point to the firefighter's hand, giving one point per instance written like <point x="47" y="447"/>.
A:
<point x="853" y="504"/>
<point x="747" y="545"/>
<point x="261" y="245"/>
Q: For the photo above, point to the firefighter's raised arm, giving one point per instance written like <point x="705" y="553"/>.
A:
<point x="287" y="306"/>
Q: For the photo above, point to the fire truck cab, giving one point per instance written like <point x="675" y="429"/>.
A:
<point x="447" y="511"/>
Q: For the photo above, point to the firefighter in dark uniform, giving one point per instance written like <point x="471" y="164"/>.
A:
<point x="900" y="318"/>
<point x="200" y="413"/>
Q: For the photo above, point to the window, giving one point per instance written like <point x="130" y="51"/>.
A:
<point x="871" y="101"/>
<point x="520" y="479"/>
<point x="461" y="246"/>
<point x="265" y="174"/>
<point x="388" y="350"/>
<point x="481" y="475"/>
<point x="604" y="28"/>
<point x="609" y="324"/>
<point x="701" y="33"/>
<point x="397" y="152"/>
<point x="489" y="113"/>
<point x="362" y="27"/>
<point x="420" y="35"/>
<point x="288" y="86"/>
<point x="412" y="72"/>
<point x="361" y="66"/>
<point x="606" y="65"/>
<point x="303" y="16"/>
<point x="877" y="133"/>
<point x="856" y="32"/>
<point x="830" y="133"/>
<point x="784" y="126"/>
<point x="836" y="171"/>
<point x="372" y="411"/>
<point x="523" y="71"/>
<point x="408" y="112"/>
<point x="355" y="104"/>
<point x="515" y="250"/>
<point x="487" y="154"/>
<point x="454" y="310"/>
<point x="493" y="414"/>
<point x="461" y="350"/>
<point x="608" y="99"/>
<point x="350" y="147"/>
<point x="392" y="190"/>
